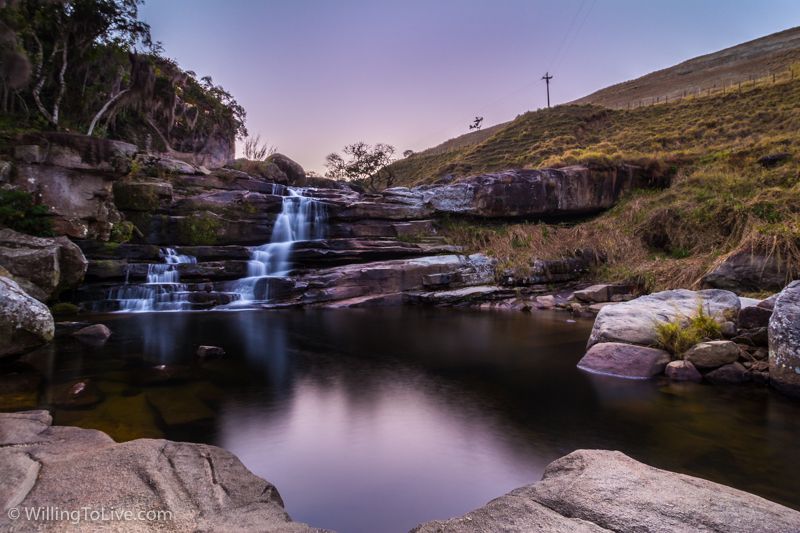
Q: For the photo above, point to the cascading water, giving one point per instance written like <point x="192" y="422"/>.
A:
<point x="301" y="219"/>
<point x="162" y="290"/>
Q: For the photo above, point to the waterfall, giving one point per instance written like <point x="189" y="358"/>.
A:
<point x="301" y="219"/>
<point x="162" y="290"/>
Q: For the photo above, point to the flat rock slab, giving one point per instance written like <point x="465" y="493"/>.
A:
<point x="204" y="488"/>
<point x="624" y="360"/>
<point x="600" y="490"/>
<point x="634" y="322"/>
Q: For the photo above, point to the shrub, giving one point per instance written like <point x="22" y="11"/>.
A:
<point x="682" y="333"/>
<point x="19" y="212"/>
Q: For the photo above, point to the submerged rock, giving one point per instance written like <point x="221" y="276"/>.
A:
<point x="784" y="341"/>
<point x="624" y="360"/>
<point x="730" y="374"/>
<point x="602" y="491"/>
<point x="95" y="332"/>
<point x="204" y="488"/>
<point x="206" y="352"/>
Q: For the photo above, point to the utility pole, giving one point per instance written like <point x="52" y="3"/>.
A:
<point x="547" y="77"/>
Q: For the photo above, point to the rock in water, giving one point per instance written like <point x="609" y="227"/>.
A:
<point x="95" y="332"/>
<point x="207" y="352"/>
<point x="784" y="341"/>
<point x="634" y="321"/>
<point x="204" y="488"/>
<point x="712" y="354"/>
<point x="682" y="371"/>
<point x="602" y="491"/>
<point x="730" y="374"/>
<point x="25" y="322"/>
<point x="624" y="360"/>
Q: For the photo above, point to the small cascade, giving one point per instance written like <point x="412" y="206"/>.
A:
<point x="162" y="290"/>
<point x="301" y="219"/>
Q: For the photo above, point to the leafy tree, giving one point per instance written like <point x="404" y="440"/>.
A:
<point x="408" y="153"/>
<point x="362" y="163"/>
<point x="92" y="65"/>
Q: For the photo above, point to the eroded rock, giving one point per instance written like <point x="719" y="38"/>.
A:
<point x="203" y="487"/>
<point x="712" y="354"/>
<point x="25" y="322"/>
<point x="603" y="491"/>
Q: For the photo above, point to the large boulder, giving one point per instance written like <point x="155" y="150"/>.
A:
<point x="602" y="491"/>
<point x="746" y="271"/>
<point x="634" y="322"/>
<point x="42" y="266"/>
<point x="784" y="341"/>
<point x="295" y="175"/>
<point x="624" y="360"/>
<point x="573" y="190"/>
<point x="199" y="487"/>
<point x="25" y="323"/>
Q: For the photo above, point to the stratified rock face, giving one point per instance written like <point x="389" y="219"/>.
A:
<point x="603" y="491"/>
<point x="204" y="488"/>
<point x="42" y="266"/>
<point x="25" y="323"/>
<point x="624" y="360"/>
<point x="634" y="322"/>
<point x="784" y="341"/>
<point x="748" y="272"/>
<point x="533" y="193"/>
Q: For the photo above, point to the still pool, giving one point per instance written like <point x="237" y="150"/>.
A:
<point x="378" y="420"/>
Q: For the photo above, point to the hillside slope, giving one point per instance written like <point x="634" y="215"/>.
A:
<point x="533" y="137"/>
<point x="754" y="59"/>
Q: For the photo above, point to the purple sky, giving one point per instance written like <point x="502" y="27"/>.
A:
<point x="315" y="75"/>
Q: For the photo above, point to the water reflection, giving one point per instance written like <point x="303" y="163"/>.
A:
<point x="375" y="421"/>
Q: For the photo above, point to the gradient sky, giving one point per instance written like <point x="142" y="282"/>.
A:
<point x="315" y="75"/>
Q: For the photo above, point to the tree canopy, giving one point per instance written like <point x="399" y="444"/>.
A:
<point x="92" y="66"/>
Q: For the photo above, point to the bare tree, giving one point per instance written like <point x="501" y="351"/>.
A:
<point x="364" y="163"/>
<point x="476" y="124"/>
<point x="256" y="150"/>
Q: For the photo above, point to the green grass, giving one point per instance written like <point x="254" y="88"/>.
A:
<point x="721" y="201"/>
<point x="682" y="333"/>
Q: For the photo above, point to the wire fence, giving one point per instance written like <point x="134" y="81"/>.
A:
<point x="735" y="85"/>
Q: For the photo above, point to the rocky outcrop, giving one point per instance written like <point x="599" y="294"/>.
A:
<point x="41" y="266"/>
<point x="746" y="271"/>
<point x="25" y="323"/>
<point x="634" y="322"/>
<point x="603" y="491"/>
<point x="560" y="192"/>
<point x="357" y="284"/>
<point x="200" y="487"/>
<point x="784" y="341"/>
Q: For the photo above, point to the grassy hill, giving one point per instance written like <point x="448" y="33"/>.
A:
<point x="756" y="59"/>
<point x="722" y="200"/>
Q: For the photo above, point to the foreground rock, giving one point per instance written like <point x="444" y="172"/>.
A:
<point x="25" y="323"/>
<point x="634" y="322"/>
<point x="602" y="491"/>
<point x="204" y="488"/>
<point x="624" y="360"/>
<point x="784" y="341"/>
